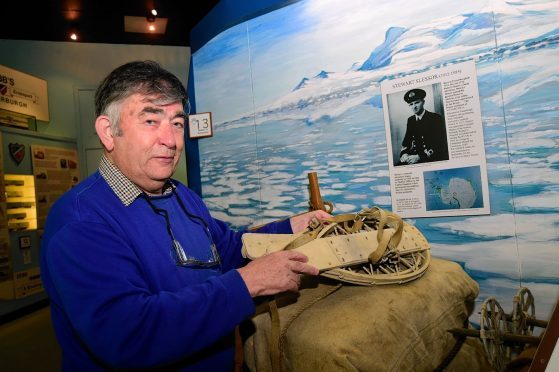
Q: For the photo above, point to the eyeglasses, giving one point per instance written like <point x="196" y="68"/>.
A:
<point x="181" y="256"/>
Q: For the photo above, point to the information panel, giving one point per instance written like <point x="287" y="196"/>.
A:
<point x="435" y="143"/>
<point x="56" y="171"/>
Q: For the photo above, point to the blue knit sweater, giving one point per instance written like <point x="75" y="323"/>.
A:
<point x="115" y="286"/>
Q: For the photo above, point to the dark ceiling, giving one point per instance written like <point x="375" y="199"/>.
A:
<point x="99" y="21"/>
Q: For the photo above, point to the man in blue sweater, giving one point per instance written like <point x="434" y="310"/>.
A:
<point x="139" y="274"/>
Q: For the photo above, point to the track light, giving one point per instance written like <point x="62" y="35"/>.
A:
<point x="150" y="23"/>
<point x="151" y="16"/>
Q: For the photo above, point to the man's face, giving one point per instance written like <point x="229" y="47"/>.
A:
<point x="151" y="143"/>
<point x="417" y="106"/>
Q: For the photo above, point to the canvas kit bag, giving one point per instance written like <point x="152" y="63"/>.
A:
<point x="333" y="327"/>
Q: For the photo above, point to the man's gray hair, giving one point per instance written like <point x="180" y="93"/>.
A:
<point x="144" y="77"/>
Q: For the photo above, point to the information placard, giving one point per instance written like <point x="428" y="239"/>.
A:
<point x="434" y="136"/>
<point x="56" y="171"/>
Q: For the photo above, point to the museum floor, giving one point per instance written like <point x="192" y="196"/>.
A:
<point x="28" y="344"/>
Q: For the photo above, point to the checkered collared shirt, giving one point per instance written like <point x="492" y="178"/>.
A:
<point x="126" y="190"/>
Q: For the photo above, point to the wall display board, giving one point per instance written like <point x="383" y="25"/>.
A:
<point x="35" y="170"/>
<point x="434" y="137"/>
<point x="20" y="219"/>
<point x="6" y="288"/>
<point x="23" y="93"/>
<point x="56" y="171"/>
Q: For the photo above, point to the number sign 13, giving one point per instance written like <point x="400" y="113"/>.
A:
<point x="200" y="125"/>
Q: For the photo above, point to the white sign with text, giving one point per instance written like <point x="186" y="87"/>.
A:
<point x="23" y="93"/>
<point x="436" y="150"/>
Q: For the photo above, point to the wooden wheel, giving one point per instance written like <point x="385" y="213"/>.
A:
<point x="523" y="308"/>
<point x="493" y="326"/>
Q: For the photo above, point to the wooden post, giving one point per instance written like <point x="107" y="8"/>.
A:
<point x="548" y="343"/>
<point x="315" y="199"/>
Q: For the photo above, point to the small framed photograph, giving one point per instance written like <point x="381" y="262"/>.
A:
<point x="200" y="125"/>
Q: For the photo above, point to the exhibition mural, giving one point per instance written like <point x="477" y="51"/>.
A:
<point x="297" y="90"/>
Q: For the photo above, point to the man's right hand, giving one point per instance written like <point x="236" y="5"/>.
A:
<point x="409" y="159"/>
<point x="275" y="273"/>
<point x="413" y="159"/>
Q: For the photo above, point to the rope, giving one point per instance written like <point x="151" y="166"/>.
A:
<point x="460" y="339"/>
<point x="277" y="338"/>
<point x="274" y="336"/>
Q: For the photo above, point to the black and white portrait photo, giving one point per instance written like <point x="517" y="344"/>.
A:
<point x="417" y="125"/>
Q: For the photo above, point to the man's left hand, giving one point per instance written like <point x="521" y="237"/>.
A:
<point x="301" y="221"/>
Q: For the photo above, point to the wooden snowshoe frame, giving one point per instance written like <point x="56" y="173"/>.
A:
<point x="371" y="247"/>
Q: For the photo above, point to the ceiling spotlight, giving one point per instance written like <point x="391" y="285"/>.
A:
<point x="143" y="25"/>
<point x="151" y="16"/>
<point x="73" y="30"/>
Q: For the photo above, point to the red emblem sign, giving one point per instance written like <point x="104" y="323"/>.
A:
<point x="17" y="152"/>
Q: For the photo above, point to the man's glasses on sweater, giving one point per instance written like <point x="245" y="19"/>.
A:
<point x="183" y="259"/>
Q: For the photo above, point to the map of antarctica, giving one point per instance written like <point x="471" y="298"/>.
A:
<point x="458" y="188"/>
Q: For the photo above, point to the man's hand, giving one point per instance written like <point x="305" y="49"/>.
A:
<point x="275" y="273"/>
<point x="412" y="159"/>
<point x="301" y="221"/>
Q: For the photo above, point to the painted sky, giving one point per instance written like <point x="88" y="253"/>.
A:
<point x="335" y="30"/>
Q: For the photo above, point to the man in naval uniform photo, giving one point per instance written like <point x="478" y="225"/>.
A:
<point x="425" y="139"/>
